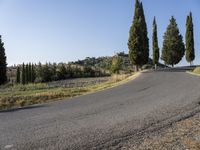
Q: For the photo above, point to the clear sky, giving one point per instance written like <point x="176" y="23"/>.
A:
<point x="68" y="30"/>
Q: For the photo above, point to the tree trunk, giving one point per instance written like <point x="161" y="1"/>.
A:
<point x="155" y="66"/>
<point x="172" y="65"/>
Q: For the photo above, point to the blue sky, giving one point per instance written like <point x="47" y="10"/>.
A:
<point x="68" y="30"/>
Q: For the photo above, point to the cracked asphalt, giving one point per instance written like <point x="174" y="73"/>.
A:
<point x="111" y="119"/>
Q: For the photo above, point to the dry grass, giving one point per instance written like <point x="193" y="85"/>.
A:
<point x="197" y="70"/>
<point x="117" y="78"/>
<point x="20" y="95"/>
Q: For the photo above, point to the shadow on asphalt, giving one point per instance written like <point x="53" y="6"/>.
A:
<point x="23" y="108"/>
<point x="178" y="69"/>
<point x="173" y="70"/>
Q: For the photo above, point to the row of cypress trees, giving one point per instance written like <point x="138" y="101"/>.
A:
<point x="173" y="46"/>
<point x="26" y="74"/>
<point x="3" y="64"/>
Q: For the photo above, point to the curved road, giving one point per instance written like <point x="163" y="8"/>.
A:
<point x="106" y="119"/>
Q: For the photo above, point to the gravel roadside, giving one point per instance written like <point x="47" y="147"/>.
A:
<point x="181" y="135"/>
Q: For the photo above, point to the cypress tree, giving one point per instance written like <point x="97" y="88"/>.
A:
<point x="189" y="40"/>
<point x="156" y="54"/>
<point x="173" y="46"/>
<point x="3" y="64"/>
<point x="26" y="74"/>
<point x="18" y="79"/>
<point x="62" y="73"/>
<point x="23" y="74"/>
<point x="33" y="73"/>
<point x="29" y="73"/>
<point x="144" y="35"/>
<point x="138" y="42"/>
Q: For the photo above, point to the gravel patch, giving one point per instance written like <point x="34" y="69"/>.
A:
<point x="182" y="135"/>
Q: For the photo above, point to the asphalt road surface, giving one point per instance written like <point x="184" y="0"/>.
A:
<point x="109" y="119"/>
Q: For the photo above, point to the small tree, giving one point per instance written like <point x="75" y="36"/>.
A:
<point x="189" y="40"/>
<point x="3" y="64"/>
<point x="116" y="64"/>
<point x="173" y="46"/>
<point x="156" y="54"/>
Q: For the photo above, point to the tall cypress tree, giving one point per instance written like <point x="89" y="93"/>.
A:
<point x="156" y="53"/>
<point x="29" y="73"/>
<point x="3" y="64"/>
<point x="138" y="41"/>
<point x="23" y="74"/>
<point x="144" y="35"/>
<point x="189" y="40"/>
<point x="173" y="46"/>
<point x="26" y="74"/>
<point x="33" y="72"/>
<point x="18" y="79"/>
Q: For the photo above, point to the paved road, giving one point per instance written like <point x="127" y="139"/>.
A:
<point x="103" y="120"/>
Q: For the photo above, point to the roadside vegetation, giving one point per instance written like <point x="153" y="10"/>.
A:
<point x="23" y="95"/>
<point x="197" y="70"/>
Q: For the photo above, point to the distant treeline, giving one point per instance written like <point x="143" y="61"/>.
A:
<point x="31" y="73"/>
<point x="88" y="67"/>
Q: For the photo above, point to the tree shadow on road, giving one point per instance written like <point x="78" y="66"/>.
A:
<point x="179" y="69"/>
<point x="22" y="108"/>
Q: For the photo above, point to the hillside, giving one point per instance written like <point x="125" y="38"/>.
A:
<point x="105" y="63"/>
<point x="88" y="67"/>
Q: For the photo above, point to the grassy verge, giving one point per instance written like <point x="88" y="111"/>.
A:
<point x="24" y="95"/>
<point x="196" y="71"/>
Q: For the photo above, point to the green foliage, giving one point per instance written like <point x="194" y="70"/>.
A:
<point x="33" y="73"/>
<point x="23" y="74"/>
<point x="189" y="39"/>
<point x="62" y="72"/>
<point x="173" y="46"/>
<point x="144" y="35"/>
<point x="18" y="80"/>
<point x="29" y="73"/>
<point x="3" y="64"/>
<point x="156" y="54"/>
<point x="47" y="73"/>
<point x="138" y="42"/>
<point x="116" y="64"/>
<point x="26" y="74"/>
